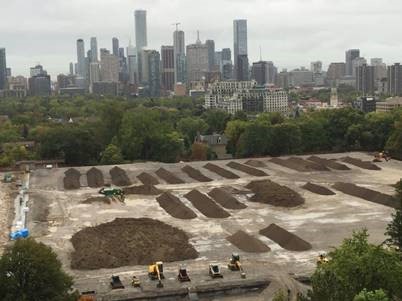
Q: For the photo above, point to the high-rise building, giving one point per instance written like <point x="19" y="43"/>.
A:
<point x="94" y="74"/>
<point x="335" y="72"/>
<point x="71" y="68"/>
<point x="395" y="80"/>
<point x="316" y="67"/>
<point x="301" y="77"/>
<point x="358" y="62"/>
<point x="115" y="44"/>
<point x="227" y="65"/>
<point x="197" y="61"/>
<point x="365" y="80"/>
<point x="37" y="70"/>
<point x="351" y="55"/>
<point x="240" y="49"/>
<point x="226" y="54"/>
<point x="168" y="78"/>
<point x="154" y="73"/>
<point x="264" y="72"/>
<point x="81" y="69"/>
<point x="110" y="67"/>
<point x="132" y="64"/>
<point x="94" y="50"/>
<point x="141" y="40"/>
<point x="211" y="54"/>
<point x="179" y="56"/>
<point x="380" y="72"/>
<point x="3" y="69"/>
<point x="39" y="82"/>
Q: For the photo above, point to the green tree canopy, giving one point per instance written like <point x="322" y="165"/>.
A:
<point x="394" y="229"/>
<point x="112" y="155"/>
<point x="377" y="295"/>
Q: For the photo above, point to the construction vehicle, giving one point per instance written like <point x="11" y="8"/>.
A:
<point x="135" y="282"/>
<point x="183" y="275"/>
<point x="111" y="192"/>
<point x="215" y="271"/>
<point x="155" y="272"/>
<point x="381" y="156"/>
<point x="88" y="296"/>
<point x="8" y="178"/>
<point x="235" y="265"/>
<point x="322" y="259"/>
<point x="116" y="283"/>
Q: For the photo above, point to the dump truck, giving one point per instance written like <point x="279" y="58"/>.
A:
<point x="235" y="265"/>
<point x="155" y="272"/>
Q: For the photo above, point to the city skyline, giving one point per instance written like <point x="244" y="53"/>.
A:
<point x="284" y="35"/>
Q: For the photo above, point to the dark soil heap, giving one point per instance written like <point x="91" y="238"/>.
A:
<point x="367" y="194"/>
<point x="256" y="163"/>
<point x="148" y="179"/>
<point x="95" y="178"/>
<point x="173" y="206"/>
<point x="362" y="164"/>
<point x="142" y="190"/>
<point x="221" y="171"/>
<point x="195" y="174"/>
<point x="168" y="176"/>
<point x="205" y="205"/>
<point x="271" y="193"/>
<point x="248" y="243"/>
<point x="247" y="169"/>
<point x="318" y="189"/>
<point x="299" y="164"/>
<point x="225" y="199"/>
<point x="72" y="179"/>
<point x="97" y="199"/>
<point x="119" y="177"/>
<point x="328" y="163"/>
<point x="128" y="242"/>
<point x="285" y="239"/>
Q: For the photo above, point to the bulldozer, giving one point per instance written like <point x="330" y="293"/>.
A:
<point x="113" y="193"/>
<point x="322" y="259"/>
<point x="381" y="156"/>
<point x="235" y="265"/>
<point x="183" y="275"/>
<point x="155" y="272"/>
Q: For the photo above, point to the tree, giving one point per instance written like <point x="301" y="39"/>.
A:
<point x="189" y="127"/>
<point x="377" y="295"/>
<point x="394" y="143"/>
<point x="354" y="266"/>
<point x="394" y="229"/>
<point x="112" y="155"/>
<point x="216" y="120"/>
<point x="199" y="152"/>
<point x="30" y="271"/>
<point x="233" y="131"/>
<point x="280" y="296"/>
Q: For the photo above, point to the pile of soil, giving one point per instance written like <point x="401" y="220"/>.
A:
<point x="119" y="177"/>
<point x="299" y="164"/>
<point x="248" y="243"/>
<point x="256" y="163"/>
<point x="205" y="205"/>
<point x="368" y="194"/>
<point x="95" y="178"/>
<point x="360" y="163"/>
<point x="97" y="199"/>
<point x="128" y="242"/>
<point x="225" y="199"/>
<point x="328" y="163"/>
<point x="247" y="169"/>
<point x="72" y="179"/>
<point x="271" y="193"/>
<point x="168" y="176"/>
<point x="285" y="239"/>
<point x="195" y="174"/>
<point x="148" y="179"/>
<point x="318" y="189"/>
<point x="173" y="206"/>
<point x="142" y="190"/>
<point x="221" y="171"/>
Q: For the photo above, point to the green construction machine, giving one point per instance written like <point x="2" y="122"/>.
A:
<point x="113" y="193"/>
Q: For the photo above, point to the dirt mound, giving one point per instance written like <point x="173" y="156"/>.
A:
<point x="256" y="163"/>
<point x="225" y="199"/>
<point x="271" y="193"/>
<point x="97" y="199"/>
<point x="248" y="243"/>
<point x="72" y="179"/>
<point x="128" y="242"/>
<point x="299" y="164"/>
<point x="147" y="179"/>
<point x="318" y="189"/>
<point x="142" y="190"/>
<point x="221" y="171"/>
<point x="175" y="207"/>
<point x="195" y="174"/>
<point x="168" y="176"/>
<point x="285" y="239"/>
<point x="360" y="163"/>
<point x="328" y="163"/>
<point x="205" y="205"/>
<point x="119" y="177"/>
<point x="95" y="178"/>
<point x="247" y="169"/>
<point x="367" y="194"/>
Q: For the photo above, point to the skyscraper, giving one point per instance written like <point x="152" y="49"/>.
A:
<point x="81" y="58"/>
<point x="115" y="43"/>
<point x="227" y="65"/>
<point x="71" y="68"/>
<point x="94" y="50"/>
<point x="211" y="54"/>
<point x="197" y="61"/>
<point x="395" y="80"/>
<point x="240" y="49"/>
<point x="154" y="73"/>
<point x="179" y="56"/>
<point x="141" y="40"/>
<point x="351" y="55"/>
<point x="132" y="64"/>
<point x="365" y="80"/>
<point x="39" y="82"/>
<point x="168" y="78"/>
<point x="109" y="67"/>
<point x="316" y="67"/>
<point x="3" y="69"/>
<point x="264" y="72"/>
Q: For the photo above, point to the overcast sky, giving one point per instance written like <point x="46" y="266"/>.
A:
<point x="291" y="33"/>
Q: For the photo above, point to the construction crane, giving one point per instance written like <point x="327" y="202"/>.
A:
<point x="155" y="272"/>
<point x="235" y="265"/>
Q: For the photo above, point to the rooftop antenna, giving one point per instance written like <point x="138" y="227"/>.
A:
<point x="198" y="37"/>
<point x="177" y="25"/>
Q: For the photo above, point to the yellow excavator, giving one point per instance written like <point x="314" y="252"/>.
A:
<point x="155" y="272"/>
<point x="235" y="265"/>
<point x="322" y="259"/>
<point x="381" y="156"/>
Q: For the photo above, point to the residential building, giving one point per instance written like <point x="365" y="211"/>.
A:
<point x="395" y="80"/>
<point x="3" y="69"/>
<point x="242" y="69"/>
<point x="154" y="73"/>
<point x="365" y="80"/>
<point x="264" y="72"/>
<point x="168" y="67"/>
<point x="216" y="143"/>
<point x="115" y="46"/>
<point x="301" y="77"/>
<point x="197" y="61"/>
<point x="240" y="49"/>
<point x="283" y="80"/>
<point x="94" y="50"/>
<point x="358" y="62"/>
<point x="227" y="65"/>
<point x="351" y="55"/>
<point x="211" y="54"/>
<point x="141" y="40"/>
<point x="389" y="104"/>
<point x="17" y="87"/>
<point x="335" y="72"/>
<point x="94" y="74"/>
<point x="132" y="64"/>
<point x="179" y="56"/>
<point x="81" y="65"/>
<point x="39" y="83"/>
<point x="109" y="67"/>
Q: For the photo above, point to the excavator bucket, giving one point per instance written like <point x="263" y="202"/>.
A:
<point x="160" y="284"/>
